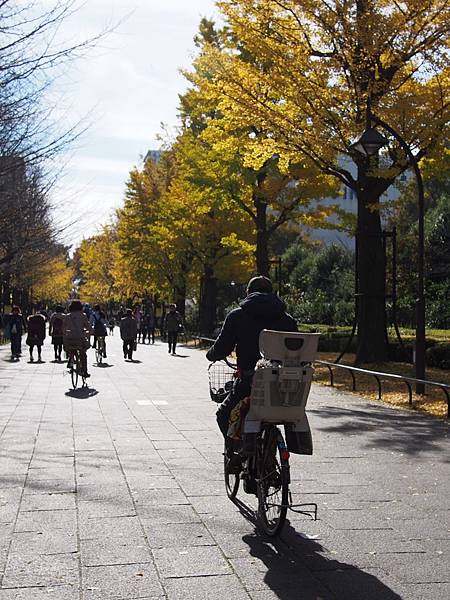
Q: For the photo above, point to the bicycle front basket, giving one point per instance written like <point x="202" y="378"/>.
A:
<point x="220" y="377"/>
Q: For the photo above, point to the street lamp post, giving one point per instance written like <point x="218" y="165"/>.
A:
<point x="370" y="142"/>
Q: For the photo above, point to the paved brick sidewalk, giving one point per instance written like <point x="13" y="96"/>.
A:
<point x="117" y="493"/>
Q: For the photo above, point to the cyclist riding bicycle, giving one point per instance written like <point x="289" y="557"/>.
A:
<point x="261" y="309"/>
<point x="99" y="324"/>
<point x="76" y="333"/>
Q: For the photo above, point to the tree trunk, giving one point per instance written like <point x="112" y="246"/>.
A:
<point x="372" y="345"/>
<point x="262" y="236"/>
<point x="180" y="289"/>
<point x="208" y="301"/>
<point x="180" y="297"/>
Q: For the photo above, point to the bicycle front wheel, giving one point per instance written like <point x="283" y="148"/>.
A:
<point x="231" y="479"/>
<point x="272" y="480"/>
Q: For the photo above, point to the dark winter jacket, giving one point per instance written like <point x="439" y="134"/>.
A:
<point x="36" y="330"/>
<point x="128" y="328"/>
<point x="173" y="321"/>
<point x="12" y="320"/>
<point x="243" y="325"/>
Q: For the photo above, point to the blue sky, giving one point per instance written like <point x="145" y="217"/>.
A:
<point x="125" y="88"/>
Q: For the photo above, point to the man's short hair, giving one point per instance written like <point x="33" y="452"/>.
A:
<point x="259" y="284"/>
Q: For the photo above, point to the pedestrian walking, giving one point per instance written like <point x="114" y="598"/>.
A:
<point x="150" y="324"/>
<point x="128" y="333"/>
<point x="15" y="326"/>
<point x="173" y="324"/>
<point x="56" y="331"/>
<point x="36" y="334"/>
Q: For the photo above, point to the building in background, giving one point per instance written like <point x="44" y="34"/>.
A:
<point x="348" y="202"/>
<point x="153" y="155"/>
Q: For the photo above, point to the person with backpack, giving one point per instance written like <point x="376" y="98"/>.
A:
<point x="56" y="331"/>
<point x="36" y="334"/>
<point x="99" y="325"/>
<point x="76" y="333"/>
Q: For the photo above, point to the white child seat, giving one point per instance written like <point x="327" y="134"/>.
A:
<point x="280" y="387"/>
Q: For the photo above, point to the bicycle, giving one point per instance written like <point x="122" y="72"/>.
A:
<point x="265" y="469"/>
<point x="100" y="349"/>
<point x="76" y="368"/>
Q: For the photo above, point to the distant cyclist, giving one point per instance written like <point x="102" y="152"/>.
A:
<point x="99" y="324"/>
<point x="76" y="333"/>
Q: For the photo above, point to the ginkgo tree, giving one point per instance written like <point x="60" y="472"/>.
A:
<point x="177" y="232"/>
<point x="216" y="233"/>
<point x="312" y="76"/>
<point x="98" y="257"/>
<point x="279" y="189"/>
<point x="156" y="257"/>
<point x="53" y="280"/>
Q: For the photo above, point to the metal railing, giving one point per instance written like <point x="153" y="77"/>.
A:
<point x="380" y="375"/>
<point x="377" y="375"/>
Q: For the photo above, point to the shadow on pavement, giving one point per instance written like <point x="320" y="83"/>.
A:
<point x="82" y="393"/>
<point x="134" y="360"/>
<point x="390" y="429"/>
<point x="294" y="562"/>
<point x="102" y="365"/>
<point x="180" y="355"/>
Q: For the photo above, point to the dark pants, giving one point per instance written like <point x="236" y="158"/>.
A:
<point x="172" y="337"/>
<point x="16" y="344"/>
<point x="39" y="348"/>
<point x="241" y="389"/>
<point x="150" y="334"/>
<point x="57" y="342"/>
<point x="128" y="347"/>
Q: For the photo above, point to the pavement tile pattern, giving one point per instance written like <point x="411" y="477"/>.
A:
<point x="115" y="492"/>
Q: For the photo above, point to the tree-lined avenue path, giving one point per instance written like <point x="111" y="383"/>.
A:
<point x="116" y="492"/>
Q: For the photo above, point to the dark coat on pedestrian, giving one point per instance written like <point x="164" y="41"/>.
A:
<point x="36" y="330"/>
<point x="242" y="326"/>
<point x="173" y="321"/>
<point x="14" y="324"/>
<point x="128" y="328"/>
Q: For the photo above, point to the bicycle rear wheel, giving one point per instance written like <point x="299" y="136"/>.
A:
<point x="74" y="368"/>
<point x="272" y="480"/>
<point x="99" y="352"/>
<point x="231" y="479"/>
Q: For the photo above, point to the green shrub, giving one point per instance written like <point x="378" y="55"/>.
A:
<point x="438" y="356"/>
